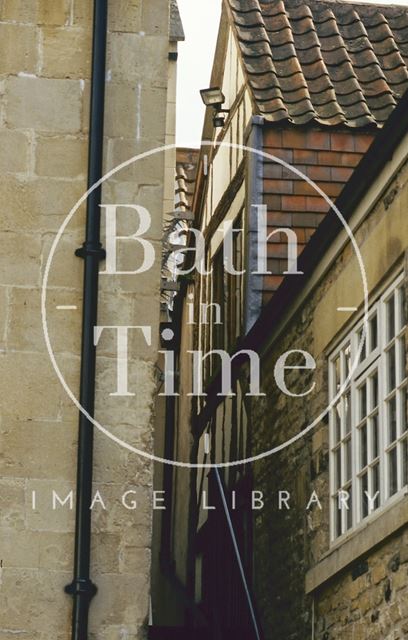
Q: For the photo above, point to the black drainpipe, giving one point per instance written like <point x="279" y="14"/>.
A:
<point x="82" y="588"/>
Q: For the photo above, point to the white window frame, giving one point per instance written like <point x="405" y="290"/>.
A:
<point x="373" y="360"/>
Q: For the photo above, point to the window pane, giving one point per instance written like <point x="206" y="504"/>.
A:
<point x="363" y="446"/>
<point x="337" y="422"/>
<point x="337" y="517"/>
<point x="370" y="421"/>
<point x="404" y="446"/>
<point x="374" y="390"/>
<point x="347" y="453"/>
<point x="401" y="295"/>
<point x="337" y="469"/>
<point x="390" y="313"/>
<point x="392" y="471"/>
<point x="403" y="362"/>
<point x="347" y="413"/>
<point x="363" y="347"/>
<point x="392" y="420"/>
<point x="403" y="406"/>
<point x="373" y="333"/>
<point x="363" y="402"/>
<point x="347" y="360"/>
<point x="350" y="509"/>
<point x="375" y="450"/>
<point x="391" y="368"/>
<point x="376" y="486"/>
<point x="364" y="500"/>
<point x="337" y="373"/>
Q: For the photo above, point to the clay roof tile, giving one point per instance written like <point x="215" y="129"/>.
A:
<point x="328" y="61"/>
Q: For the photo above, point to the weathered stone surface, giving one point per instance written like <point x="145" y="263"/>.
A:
<point x="12" y="504"/>
<point x="112" y="608"/>
<point x="86" y="95"/>
<point x="38" y="450"/>
<point x="153" y="107"/>
<point x="82" y="13"/>
<point x="116" y="516"/>
<point x="19" y="213"/>
<point x="142" y="170"/>
<point x="124" y="310"/>
<point x="18" y="49"/>
<point x="28" y="381"/>
<point x="66" y="53"/>
<point x="127" y="64"/>
<point x="131" y="632"/>
<point x="35" y="550"/>
<point x="50" y="608"/>
<point x="24" y="324"/>
<point x="43" y="104"/>
<point x="63" y="326"/>
<point x="45" y="63"/>
<point x="18" y="11"/>
<point x="125" y="15"/>
<point x="124" y="100"/>
<point x="3" y="315"/>
<point x="39" y="204"/>
<point x="14" y="151"/>
<point x="59" y="156"/>
<point x="48" y="513"/>
<point x="154" y="22"/>
<point x="56" y="551"/>
<point x="130" y="258"/>
<point x="54" y="13"/>
<point x="66" y="269"/>
<point x="105" y="552"/>
<point x="133" y="559"/>
<point x="135" y="410"/>
<point x="15" y="270"/>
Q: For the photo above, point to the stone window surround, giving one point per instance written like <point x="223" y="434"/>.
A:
<point x="373" y="363"/>
<point x="371" y="532"/>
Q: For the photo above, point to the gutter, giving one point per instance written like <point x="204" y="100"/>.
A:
<point x="82" y="588"/>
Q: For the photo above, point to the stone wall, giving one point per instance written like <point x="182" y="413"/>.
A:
<point x="45" y="51"/>
<point x="366" y="599"/>
<point x="372" y="606"/>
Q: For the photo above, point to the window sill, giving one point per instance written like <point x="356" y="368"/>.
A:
<point x="358" y="543"/>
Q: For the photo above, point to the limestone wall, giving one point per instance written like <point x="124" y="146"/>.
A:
<point x="45" y="51"/>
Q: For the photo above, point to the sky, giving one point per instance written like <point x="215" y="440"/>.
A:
<point x="201" y="21"/>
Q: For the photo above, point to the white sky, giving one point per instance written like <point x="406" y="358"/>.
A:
<point x="201" y="21"/>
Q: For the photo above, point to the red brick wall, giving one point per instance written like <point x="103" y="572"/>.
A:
<point x="328" y="158"/>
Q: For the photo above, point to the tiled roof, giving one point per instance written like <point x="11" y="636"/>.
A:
<point x="325" y="61"/>
<point x="179" y="219"/>
<point x="186" y="170"/>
